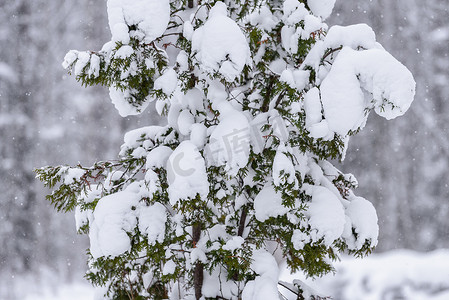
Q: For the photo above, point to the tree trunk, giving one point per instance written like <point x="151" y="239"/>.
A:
<point x="199" y="268"/>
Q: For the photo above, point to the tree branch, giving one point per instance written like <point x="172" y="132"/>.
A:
<point x="278" y="100"/>
<point x="330" y="52"/>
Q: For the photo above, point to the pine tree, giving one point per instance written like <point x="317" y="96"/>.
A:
<point x="258" y="97"/>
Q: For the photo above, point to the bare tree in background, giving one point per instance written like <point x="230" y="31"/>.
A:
<point x="18" y="199"/>
<point x="35" y="108"/>
<point x="411" y="199"/>
<point x="40" y="108"/>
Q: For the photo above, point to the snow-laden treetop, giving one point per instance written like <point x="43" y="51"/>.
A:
<point x="257" y="96"/>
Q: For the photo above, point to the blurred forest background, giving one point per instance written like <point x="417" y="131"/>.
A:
<point x="46" y="118"/>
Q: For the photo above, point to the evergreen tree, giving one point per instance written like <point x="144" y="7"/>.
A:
<point x="259" y="96"/>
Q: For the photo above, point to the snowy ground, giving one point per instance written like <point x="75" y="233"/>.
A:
<point x="45" y="285"/>
<point x="74" y="291"/>
<point x="399" y="274"/>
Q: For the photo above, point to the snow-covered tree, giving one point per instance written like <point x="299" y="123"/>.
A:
<point x="258" y="97"/>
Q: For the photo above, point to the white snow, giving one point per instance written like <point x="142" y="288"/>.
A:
<point x="123" y="52"/>
<point x="358" y="36"/>
<point x="157" y="158"/>
<point x="263" y="18"/>
<point x="186" y="172"/>
<point x="301" y="78"/>
<point x="257" y="133"/>
<point x="169" y="267"/>
<point x="81" y="217"/>
<point x="83" y="60"/>
<point x="187" y="30"/>
<point x="321" y="130"/>
<point x="353" y="36"/>
<point x="72" y="174"/>
<point x="282" y="163"/>
<point x="94" y="67"/>
<point x="321" y="8"/>
<point x="151" y="18"/>
<point x="120" y="33"/>
<point x="229" y="143"/>
<point x="311" y="24"/>
<point x="297" y="79"/>
<point x="397" y="274"/>
<point x="133" y="138"/>
<point x="198" y="134"/>
<point x="173" y="113"/>
<point x="299" y="239"/>
<point x="73" y="291"/>
<point x="197" y="254"/>
<point x="69" y="58"/>
<point x="216" y="285"/>
<point x="264" y="287"/>
<point x="185" y="122"/>
<point x="152" y="222"/>
<point x="234" y="243"/>
<point x="268" y="203"/>
<point x="287" y="77"/>
<point x="139" y="152"/>
<point x="363" y="218"/>
<point x="278" y="126"/>
<point x="375" y="71"/>
<point x="124" y="108"/>
<point x="220" y="44"/>
<point x="411" y="275"/>
<point x="216" y="91"/>
<point x="167" y="82"/>
<point x="312" y="107"/>
<point x="326" y="216"/>
<point x="294" y="12"/>
<point x="193" y="99"/>
<point x="113" y="217"/>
